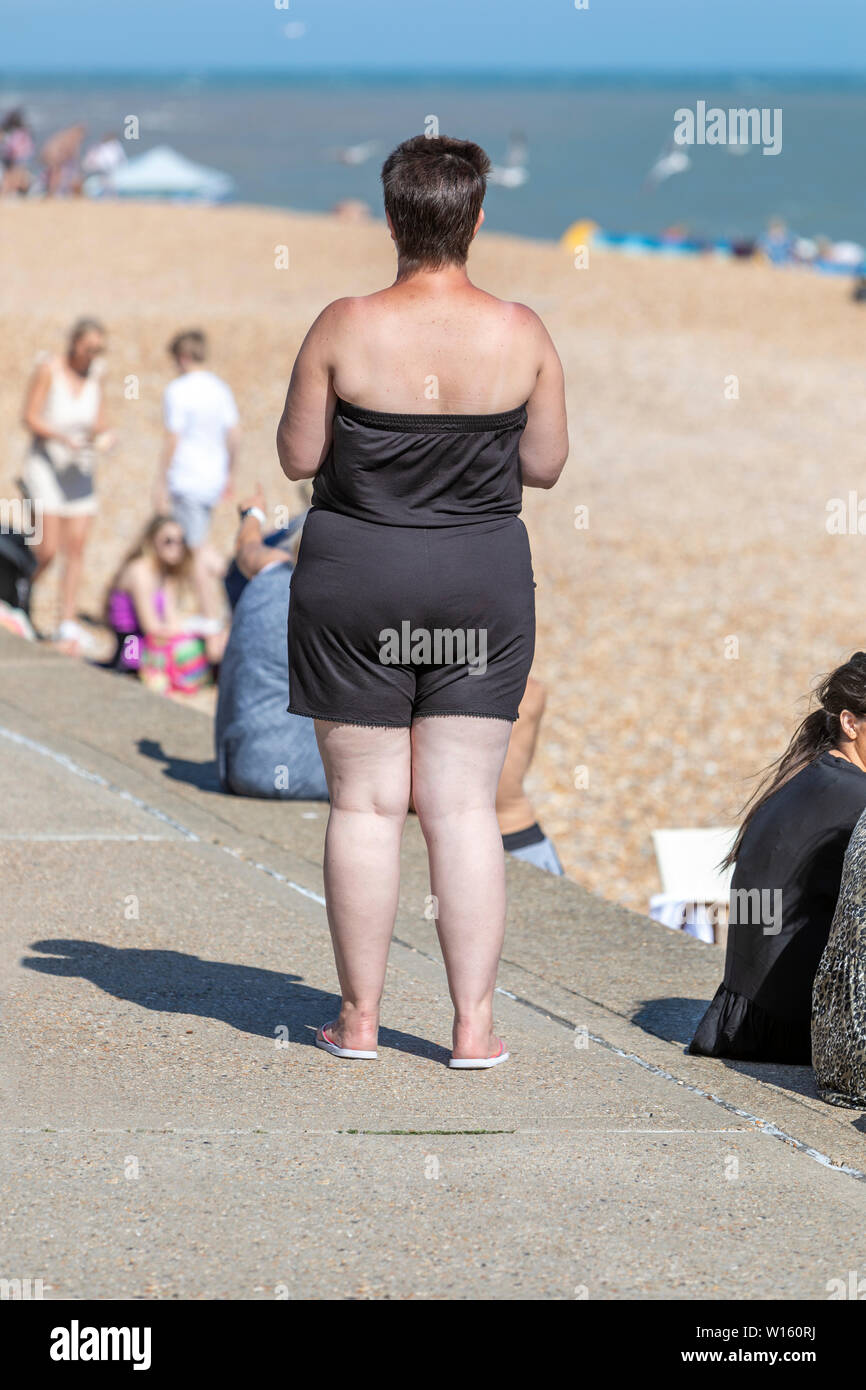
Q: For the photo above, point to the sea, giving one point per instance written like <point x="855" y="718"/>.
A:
<point x="586" y="143"/>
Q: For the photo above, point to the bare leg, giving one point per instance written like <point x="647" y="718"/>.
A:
<point x="368" y="774"/>
<point x="513" y="807"/>
<point x="73" y="538"/>
<point x="456" y="764"/>
<point x="208" y="574"/>
<point x="46" y="550"/>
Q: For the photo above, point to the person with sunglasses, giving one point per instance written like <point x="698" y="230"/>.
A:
<point x="64" y="413"/>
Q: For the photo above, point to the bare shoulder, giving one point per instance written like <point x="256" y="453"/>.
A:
<point x="136" y="571"/>
<point x="511" y="314"/>
<point x="332" y="316"/>
<point x="44" y="365"/>
<point x="332" y="323"/>
<point x="526" y="320"/>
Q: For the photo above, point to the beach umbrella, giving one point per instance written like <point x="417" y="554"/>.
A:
<point x="163" y="173"/>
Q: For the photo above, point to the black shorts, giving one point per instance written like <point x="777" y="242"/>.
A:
<point x="393" y="623"/>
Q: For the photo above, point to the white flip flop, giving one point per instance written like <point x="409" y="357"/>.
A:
<point x="474" y="1063"/>
<point x="324" y="1042"/>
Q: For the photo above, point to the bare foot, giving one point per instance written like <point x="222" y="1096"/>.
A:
<point x="354" y="1030"/>
<point x="475" y="1041"/>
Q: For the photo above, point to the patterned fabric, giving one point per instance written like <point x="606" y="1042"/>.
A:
<point x="177" y="665"/>
<point x="839" y="994"/>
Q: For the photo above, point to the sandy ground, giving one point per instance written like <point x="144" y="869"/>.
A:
<point x="679" y="631"/>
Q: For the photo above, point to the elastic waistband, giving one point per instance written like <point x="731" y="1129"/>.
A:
<point x="379" y="523"/>
<point x="433" y="424"/>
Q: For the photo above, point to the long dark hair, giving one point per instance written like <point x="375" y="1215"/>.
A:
<point x="821" y="730"/>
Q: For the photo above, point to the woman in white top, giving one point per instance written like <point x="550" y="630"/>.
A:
<point x="63" y="410"/>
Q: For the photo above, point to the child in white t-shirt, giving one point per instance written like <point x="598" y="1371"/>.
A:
<point x="201" y="437"/>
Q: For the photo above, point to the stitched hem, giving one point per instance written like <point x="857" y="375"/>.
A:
<point x="341" y="719"/>
<point x="432" y="424"/>
<point x="464" y="714"/>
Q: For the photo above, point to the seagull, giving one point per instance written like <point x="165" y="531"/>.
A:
<point x="356" y="154"/>
<point x="672" y="161"/>
<point x="513" y="172"/>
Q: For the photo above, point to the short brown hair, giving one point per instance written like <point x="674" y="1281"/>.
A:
<point x="82" y="327"/>
<point x="191" y="344"/>
<point x="434" y="187"/>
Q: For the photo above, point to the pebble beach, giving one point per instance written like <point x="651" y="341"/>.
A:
<point x="689" y="590"/>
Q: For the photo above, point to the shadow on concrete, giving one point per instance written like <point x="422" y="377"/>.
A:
<point x="674" y="1019"/>
<point x="798" y="1079"/>
<point x="202" y="775"/>
<point x="244" y="997"/>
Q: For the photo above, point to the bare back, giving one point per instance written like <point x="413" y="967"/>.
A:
<point x="413" y="349"/>
<point x="431" y="344"/>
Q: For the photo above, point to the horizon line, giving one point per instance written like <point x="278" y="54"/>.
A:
<point x="735" y="74"/>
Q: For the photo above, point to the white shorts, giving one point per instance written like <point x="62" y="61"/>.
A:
<point x="193" y="518"/>
<point x="44" y="487"/>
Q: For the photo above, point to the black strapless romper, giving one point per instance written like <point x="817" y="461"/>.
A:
<point x="413" y="593"/>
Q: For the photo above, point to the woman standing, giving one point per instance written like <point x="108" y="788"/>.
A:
<point x="63" y="411"/>
<point x="788" y="855"/>
<point x="419" y="410"/>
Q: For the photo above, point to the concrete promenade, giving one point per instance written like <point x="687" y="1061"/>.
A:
<point x="168" y="1129"/>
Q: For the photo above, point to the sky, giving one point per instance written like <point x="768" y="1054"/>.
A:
<point x="196" y="36"/>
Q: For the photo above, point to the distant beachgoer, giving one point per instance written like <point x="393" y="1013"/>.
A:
<point x="102" y="161"/>
<point x="839" y="994"/>
<point x="788" y="856"/>
<point x="201" y="440"/>
<point x="777" y="243"/>
<point x="522" y="836"/>
<point x="261" y="749"/>
<point x="149" y="610"/>
<point x="16" y="151"/>
<point x="63" y="410"/>
<point x="61" y="161"/>
<point x="421" y="411"/>
<point x="351" y="210"/>
<point x="197" y="462"/>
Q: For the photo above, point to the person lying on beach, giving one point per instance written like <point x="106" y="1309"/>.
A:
<point x="148" y="608"/>
<point x="262" y="750"/>
<point x="788" y="854"/>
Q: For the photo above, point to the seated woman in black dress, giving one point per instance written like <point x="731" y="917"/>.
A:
<point x="788" y="857"/>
